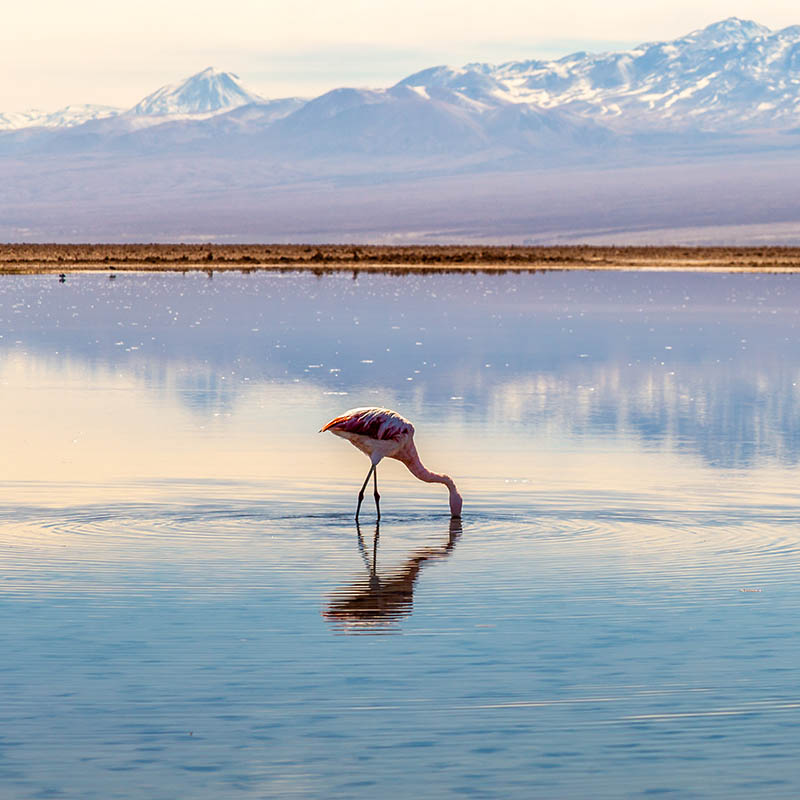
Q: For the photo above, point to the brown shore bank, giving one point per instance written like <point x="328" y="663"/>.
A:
<point x="58" y="258"/>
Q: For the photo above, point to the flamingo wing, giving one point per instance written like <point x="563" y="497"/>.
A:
<point x="376" y="423"/>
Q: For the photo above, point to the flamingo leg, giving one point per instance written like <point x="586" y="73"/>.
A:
<point x="377" y="496"/>
<point x="361" y="493"/>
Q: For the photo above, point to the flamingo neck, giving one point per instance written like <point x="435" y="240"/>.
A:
<point x="419" y="470"/>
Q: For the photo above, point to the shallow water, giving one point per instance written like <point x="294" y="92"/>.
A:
<point x="188" y="610"/>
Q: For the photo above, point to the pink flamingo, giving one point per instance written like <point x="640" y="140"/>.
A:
<point x="381" y="433"/>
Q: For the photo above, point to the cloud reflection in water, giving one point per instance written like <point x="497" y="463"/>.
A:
<point x="691" y="364"/>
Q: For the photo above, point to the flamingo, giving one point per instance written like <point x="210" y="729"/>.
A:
<point x="382" y="433"/>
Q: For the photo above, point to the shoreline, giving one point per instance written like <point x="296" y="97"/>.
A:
<point x="16" y="259"/>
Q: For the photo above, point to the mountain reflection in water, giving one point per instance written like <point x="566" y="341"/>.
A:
<point x="691" y="364"/>
<point x="373" y="603"/>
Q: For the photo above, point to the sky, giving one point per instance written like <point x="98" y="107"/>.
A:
<point x="54" y="53"/>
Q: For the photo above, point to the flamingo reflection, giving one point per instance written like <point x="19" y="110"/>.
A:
<point x="372" y="604"/>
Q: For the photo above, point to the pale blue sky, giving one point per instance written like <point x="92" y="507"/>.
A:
<point x="53" y="53"/>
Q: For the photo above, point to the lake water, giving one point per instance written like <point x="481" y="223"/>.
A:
<point x="187" y="609"/>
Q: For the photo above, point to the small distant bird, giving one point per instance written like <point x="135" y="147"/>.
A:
<point x="381" y="433"/>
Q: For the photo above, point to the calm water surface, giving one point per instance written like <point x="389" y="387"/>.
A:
<point x="188" y="610"/>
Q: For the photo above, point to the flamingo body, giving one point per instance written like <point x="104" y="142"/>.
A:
<point x="382" y="433"/>
<point x="377" y="432"/>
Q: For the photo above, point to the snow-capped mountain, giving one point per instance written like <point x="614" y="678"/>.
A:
<point x="208" y="92"/>
<point x="731" y="78"/>
<point x="66" y="117"/>
<point x="731" y="75"/>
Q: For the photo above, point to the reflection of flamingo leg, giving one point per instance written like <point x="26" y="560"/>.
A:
<point x="361" y="493"/>
<point x="374" y="580"/>
<point x="362" y="547"/>
<point x="377" y="496"/>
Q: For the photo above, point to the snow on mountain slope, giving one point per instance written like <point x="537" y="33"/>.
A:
<point x="472" y="89"/>
<point x="16" y="120"/>
<point x="66" y="117"/>
<point x="207" y="92"/>
<point x="734" y="74"/>
<point x="72" y="115"/>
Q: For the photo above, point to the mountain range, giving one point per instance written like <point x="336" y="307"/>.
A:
<point x="727" y="91"/>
